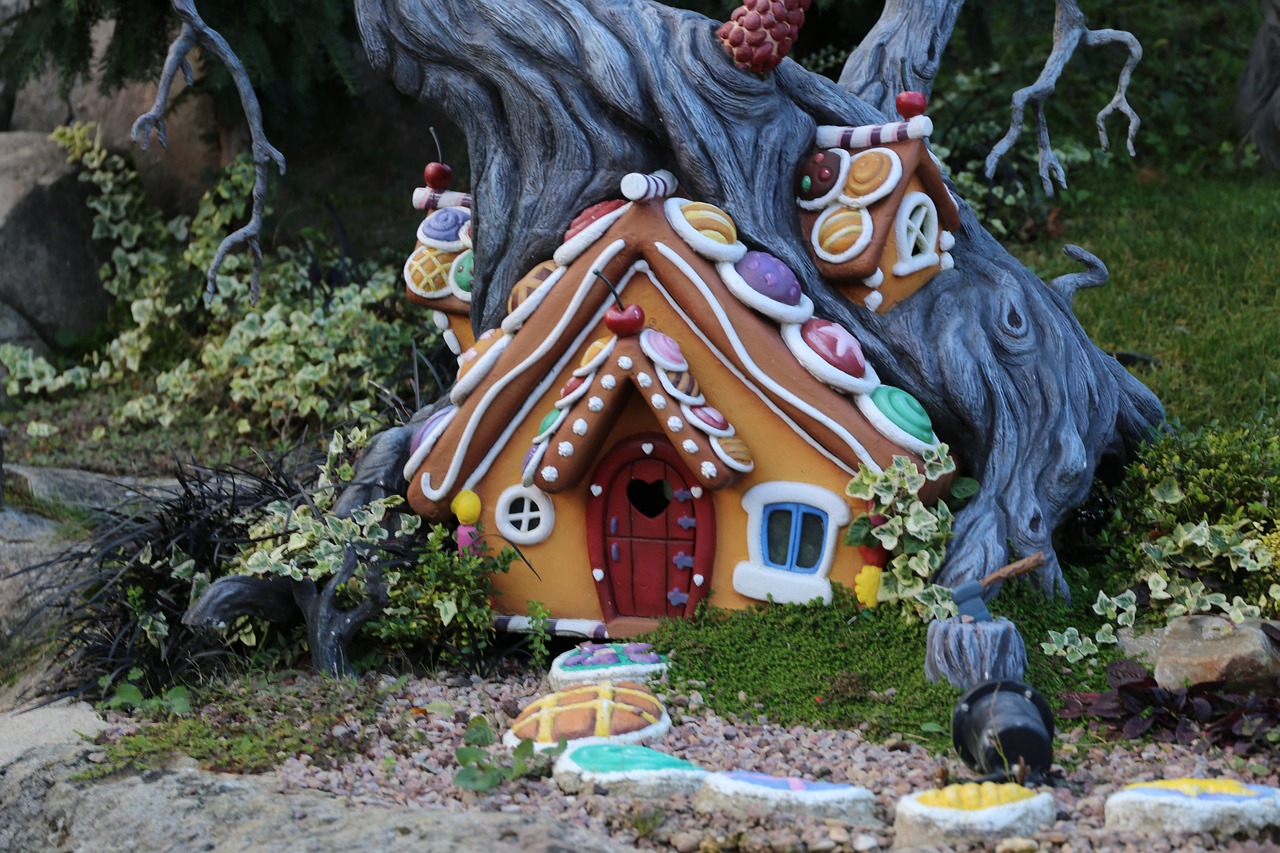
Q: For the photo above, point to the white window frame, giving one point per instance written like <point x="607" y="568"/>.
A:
<point x="908" y="236"/>
<point x="505" y="518"/>
<point x="754" y="579"/>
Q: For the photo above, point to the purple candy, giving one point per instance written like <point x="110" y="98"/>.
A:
<point x="636" y="648"/>
<point x="604" y="657"/>
<point x="651" y="657"/>
<point x="444" y="224"/>
<point x="427" y="427"/>
<point x="769" y="277"/>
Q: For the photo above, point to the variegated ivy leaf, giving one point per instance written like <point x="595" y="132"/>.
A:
<point x="1167" y="491"/>
<point x="1106" y="634"/>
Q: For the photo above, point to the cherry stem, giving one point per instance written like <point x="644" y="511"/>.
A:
<point x="612" y="289"/>
<point x="439" y="150"/>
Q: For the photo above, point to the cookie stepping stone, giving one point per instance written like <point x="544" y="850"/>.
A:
<point x="1223" y="806"/>
<point x="626" y="769"/>
<point x="971" y="812"/>
<point x="608" y="712"/>
<point x="591" y="663"/>
<point x="737" y="793"/>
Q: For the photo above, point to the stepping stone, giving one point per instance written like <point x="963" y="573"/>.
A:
<point x="608" y="712"/>
<point x="971" y="812"/>
<point x="591" y="663"/>
<point x="1194" y="805"/>
<point x="629" y="770"/>
<point x="738" y="792"/>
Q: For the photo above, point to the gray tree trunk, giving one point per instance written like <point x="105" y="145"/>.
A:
<point x="559" y="99"/>
<point x="1257" y="116"/>
<point x="902" y="52"/>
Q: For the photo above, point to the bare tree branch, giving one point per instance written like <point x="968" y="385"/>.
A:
<point x="195" y="32"/>
<point x="1069" y="33"/>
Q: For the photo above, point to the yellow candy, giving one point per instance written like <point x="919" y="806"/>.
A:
<point x="1196" y="787"/>
<point x="466" y="506"/>
<point x="972" y="796"/>
<point x="867" y="585"/>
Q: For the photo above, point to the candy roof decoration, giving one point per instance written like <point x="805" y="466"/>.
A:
<point x="438" y="272"/>
<point x="646" y="341"/>
<point x="876" y="209"/>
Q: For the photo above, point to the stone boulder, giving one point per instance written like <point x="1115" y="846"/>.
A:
<point x="1245" y="657"/>
<point x="49" y="279"/>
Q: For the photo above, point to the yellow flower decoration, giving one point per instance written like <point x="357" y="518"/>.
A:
<point x="466" y="506"/>
<point x="867" y="585"/>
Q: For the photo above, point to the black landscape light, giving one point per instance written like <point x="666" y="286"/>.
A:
<point x="1003" y="729"/>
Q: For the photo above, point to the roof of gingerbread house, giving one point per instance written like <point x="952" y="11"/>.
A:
<point x="745" y="308"/>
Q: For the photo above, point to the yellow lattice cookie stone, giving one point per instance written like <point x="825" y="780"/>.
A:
<point x="622" y="711"/>
<point x="972" y="796"/>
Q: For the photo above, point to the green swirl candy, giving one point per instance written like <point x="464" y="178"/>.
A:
<point x="904" y="411"/>
<point x="464" y="271"/>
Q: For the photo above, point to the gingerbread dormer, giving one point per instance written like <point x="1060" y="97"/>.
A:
<point x="438" y="272"/>
<point x="876" y="210"/>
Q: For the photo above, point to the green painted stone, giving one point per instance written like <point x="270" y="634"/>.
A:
<point x="621" y="758"/>
<point x="464" y="270"/>
<point x="904" y="411"/>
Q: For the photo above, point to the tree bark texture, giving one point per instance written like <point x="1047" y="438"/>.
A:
<point x="1257" y="116"/>
<point x="559" y="99"/>
<point x="902" y="52"/>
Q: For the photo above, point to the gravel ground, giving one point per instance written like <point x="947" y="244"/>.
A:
<point x="411" y="762"/>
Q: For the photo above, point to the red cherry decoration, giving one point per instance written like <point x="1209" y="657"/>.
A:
<point x="438" y="176"/>
<point x="910" y="104"/>
<point x="625" y="322"/>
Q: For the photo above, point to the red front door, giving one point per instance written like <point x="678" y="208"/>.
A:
<point x="651" y="531"/>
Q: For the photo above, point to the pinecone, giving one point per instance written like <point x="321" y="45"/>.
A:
<point x="760" y="33"/>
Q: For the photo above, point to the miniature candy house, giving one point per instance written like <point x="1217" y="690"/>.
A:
<point x="661" y="419"/>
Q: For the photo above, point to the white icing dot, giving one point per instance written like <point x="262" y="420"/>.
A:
<point x="675" y="424"/>
<point x="690" y="446"/>
<point x="565" y="449"/>
<point x="550" y="474"/>
<point x="608" y="383"/>
<point x="659" y="401"/>
<point x="579" y="427"/>
<point x="644" y="380"/>
<point x="873" y="299"/>
<point x="598" y="574"/>
<point x="708" y="470"/>
<point x="441" y="320"/>
<point x="625" y="362"/>
<point x="595" y="404"/>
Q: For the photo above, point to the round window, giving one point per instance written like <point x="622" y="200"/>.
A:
<point x="525" y="515"/>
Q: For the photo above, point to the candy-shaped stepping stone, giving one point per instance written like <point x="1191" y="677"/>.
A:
<point x="591" y="663"/>
<point x="624" y="712"/>
<point x="971" y="812"/>
<point x="738" y="793"/>
<point x="1222" y="806"/>
<point x="629" y="770"/>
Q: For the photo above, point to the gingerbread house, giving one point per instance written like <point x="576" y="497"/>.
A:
<point x="876" y="210"/>
<point x="660" y="420"/>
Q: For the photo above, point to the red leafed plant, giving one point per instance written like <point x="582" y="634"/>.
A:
<point x="1136" y="706"/>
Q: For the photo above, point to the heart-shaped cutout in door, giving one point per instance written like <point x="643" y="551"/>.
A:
<point x="649" y="498"/>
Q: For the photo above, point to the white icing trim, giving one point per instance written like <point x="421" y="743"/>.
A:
<point x="754" y="578"/>
<point x="550" y="473"/>
<point x="647" y="347"/>
<point x="531" y="469"/>
<point x="853" y="251"/>
<point x="689" y="446"/>
<point x="595" y="404"/>
<point x="513" y="321"/>
<point x="452" y="342"/>
<point x="565" y="449"/>
<point x="741" y="350"/>
<point x="909" y="263"/>
<point x="675" y="424"/>
<point x="895" y="175"/>
<point x="678" y="395"/>
<point x="731" y="463"/>
<point x="948" y="262"/>
<point x="468" y="382"/>
<point x="793" y="337"/>
<point x="873" y="299"/>
<point x="598" y="359"/>
<point x="708" y="470"/>
<point x="692" y="418"/>
<point x="644" y="380"/>
<point x="575" y="395"/>
<point x="659" y="402"/>
<point x="946" y="240"/>
<point x="553" y="339"/>
<point x="580" y="427"/>
<point x="428" y="442"/>
<point x="705" y="246"/>
<point x="441" y="320"/>
<point x="608" y="382"/>
<point x="540" y="499"/>
<point x="889" y="429"/>
<point x="771" y="308"/>
<point x="625" y="362"/>
<point x="875" y="279"/>
<point x="836" y="188"/>
<point x="570" y="250"/>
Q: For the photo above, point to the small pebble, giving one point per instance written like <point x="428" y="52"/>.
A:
<point x="866" y="842"/>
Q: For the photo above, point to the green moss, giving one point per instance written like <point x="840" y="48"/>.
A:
<point x="827" y="666"/>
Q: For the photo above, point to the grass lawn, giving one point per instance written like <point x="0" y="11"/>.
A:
<point x="1195" y="285"/>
